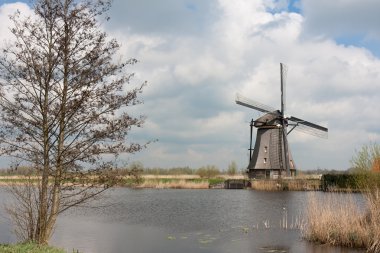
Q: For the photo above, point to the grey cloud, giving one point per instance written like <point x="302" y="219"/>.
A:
<point x="341" y="18"/>
<point x="164" y="16"/>
<point x="193" y="76"/>
<point x="186" y="107"/>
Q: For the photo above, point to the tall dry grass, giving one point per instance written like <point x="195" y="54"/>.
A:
<point x="372" y="220"/>
<point x="266" y="185"/>
<point x="337" y="219"/>
<point x="291" y="184"/>
<point x="175" y="184"/>
<point x="301" y="184"/>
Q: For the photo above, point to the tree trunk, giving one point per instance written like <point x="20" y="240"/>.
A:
<point x="41" y="237"/>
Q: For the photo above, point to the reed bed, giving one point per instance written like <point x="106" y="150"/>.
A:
<point x="174" y="184"/>
<point x="336" y="219"/>
<point x="304" y="184"/>
<point x="372" y="220"/>
<point x="265" y="185"/>
<point x="291" y="185"/>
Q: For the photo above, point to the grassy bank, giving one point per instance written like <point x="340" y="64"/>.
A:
<point x="337" y="219"/>
<point x="28" y="248"/>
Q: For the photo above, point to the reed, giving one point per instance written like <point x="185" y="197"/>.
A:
<point x="336" y="219"/>
<point x="300" y="184"/>
<point x="174" y="184"/>
<point x="286" y="184"/>
<point x="265" y="185"/>
<point x="372" y="220"/>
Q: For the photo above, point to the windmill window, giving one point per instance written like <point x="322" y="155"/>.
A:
<point x="265" y="160"/>
<point x="265" y="149"/>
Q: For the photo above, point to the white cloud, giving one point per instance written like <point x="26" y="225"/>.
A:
<point x="327" y="83"/>
<point x="193" y="77"/>
<point x="5" y="11"/>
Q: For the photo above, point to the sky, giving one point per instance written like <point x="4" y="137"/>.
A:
<point x="196" y="55"/>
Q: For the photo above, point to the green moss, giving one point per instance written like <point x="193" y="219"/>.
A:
<point x="28" y="248"/>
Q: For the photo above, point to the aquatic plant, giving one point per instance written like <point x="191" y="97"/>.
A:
<point x="174" y="184"/>
<point x="336" y="219"/>
<point x="297" y="184"/>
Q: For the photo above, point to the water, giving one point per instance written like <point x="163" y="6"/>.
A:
<point x="205" y="221"/>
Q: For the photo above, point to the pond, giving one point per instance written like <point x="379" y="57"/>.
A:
<point x="152" y="221"/>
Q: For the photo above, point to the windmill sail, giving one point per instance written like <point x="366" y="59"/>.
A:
<point x="241" y="100"/>
<point x="308" y="127"/>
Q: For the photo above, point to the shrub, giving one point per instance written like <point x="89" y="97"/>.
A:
<point x="366" y="159"/>
<point x="208" y="171"/>
<point x="232" y="169"/>
<point x="357" y="182"/>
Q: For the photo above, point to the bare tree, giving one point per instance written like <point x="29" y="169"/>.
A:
<point x="63" y="110"/>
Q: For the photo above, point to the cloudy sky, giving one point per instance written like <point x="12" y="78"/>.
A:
<point x="197" y="54"/>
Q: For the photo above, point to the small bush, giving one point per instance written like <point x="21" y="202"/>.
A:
<point x="366" y="158"/>
<point x="232" y="169"/>
<point x="208" y="171"/>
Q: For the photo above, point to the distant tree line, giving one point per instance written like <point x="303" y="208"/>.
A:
<point x="137" y="168"/>
<point x="320" y="171"/>
<point x="207" y="171"/>
<point x="18" y="171"/>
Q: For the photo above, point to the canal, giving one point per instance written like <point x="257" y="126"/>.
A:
<point x="206" y="221"/>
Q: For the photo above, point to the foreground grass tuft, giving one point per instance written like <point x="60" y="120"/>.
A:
<point x="337" y="220"/>
<point x="28" y="248"/>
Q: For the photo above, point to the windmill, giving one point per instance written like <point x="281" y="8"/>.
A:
<point x="271" y="156"/>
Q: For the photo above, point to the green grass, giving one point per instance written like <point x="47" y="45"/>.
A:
<point x="28" y="248"/>
<point x="214" y="181"/>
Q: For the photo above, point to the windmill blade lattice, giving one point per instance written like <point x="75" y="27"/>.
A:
<point x="241" y="100"/>
<point x="308" y="127"/>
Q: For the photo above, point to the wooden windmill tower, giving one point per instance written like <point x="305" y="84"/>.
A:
<point x="271" y="156"/>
